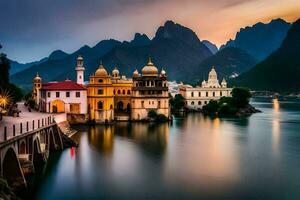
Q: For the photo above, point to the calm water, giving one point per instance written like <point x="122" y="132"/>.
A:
<point x="192" y="158"/>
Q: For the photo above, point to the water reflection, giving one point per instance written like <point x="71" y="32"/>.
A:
<point x="195" y="157"/>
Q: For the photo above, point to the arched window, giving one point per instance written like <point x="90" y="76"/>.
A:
<point x="123" y="91"/>
<point x="199" y="94"/>
<point x="100" y="105"/>
<point x="214" y="94"/>
<point x="128" y="92"/>
<point x="199" y="103"/>
<point x="114" y="91"/>
<point x="192" y="94"/>
<point x="193" y="103"/>
<point x="100" y="91"/>
<point x="111" y="106"/>
<point x="119" y="91"/>
<point x="205" y="102"/>
<point x="207" y="94"/>
<point x="221" y="94"/>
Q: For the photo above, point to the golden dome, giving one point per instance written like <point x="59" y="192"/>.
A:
<point x="37" y="77"/>
<point x="101" y="71"/>
<point x="149" y="69"/>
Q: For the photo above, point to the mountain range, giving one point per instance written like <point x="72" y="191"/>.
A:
<point x="260" y="40"/>
<point x="174" y="47"/>
<point x="281" y="70"/>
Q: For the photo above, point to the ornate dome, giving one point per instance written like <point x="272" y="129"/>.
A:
<point x="149" y="69"/>
<point x="101" y="71"/>
<point x="135" y="73"/>
<point x="115" y="72"/>
<point x="212" y="72"/>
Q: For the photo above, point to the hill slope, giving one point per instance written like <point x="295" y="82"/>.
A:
<point x="260" y="40"/>
<point x="228" y="62"/>
<point x="281" y="70"/>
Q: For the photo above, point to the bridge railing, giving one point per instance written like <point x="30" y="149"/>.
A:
<point x="13" y="130"/>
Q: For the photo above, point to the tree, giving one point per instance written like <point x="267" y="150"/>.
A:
<point x="240" y="97"/>
<point x="4" y="71"/>
<point x="152" y="114"/>
<point x="177" y="102"/>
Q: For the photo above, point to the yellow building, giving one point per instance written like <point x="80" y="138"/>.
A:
<point x="100" y="96"/>
<point x="122" y="96"/>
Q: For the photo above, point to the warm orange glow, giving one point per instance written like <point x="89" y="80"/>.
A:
<point x="5" y="99"/>
<point x="276" y="105"/>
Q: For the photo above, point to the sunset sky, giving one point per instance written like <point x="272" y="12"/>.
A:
<point x="32" y="29"/>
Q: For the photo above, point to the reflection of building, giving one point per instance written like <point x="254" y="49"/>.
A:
<point x="66" y="96"/>
<point x="196" y="97"/>
<point x="150" y="92"/>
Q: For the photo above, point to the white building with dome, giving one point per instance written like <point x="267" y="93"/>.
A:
<point x="149" y="92"/>
<point x="196" y="97"/>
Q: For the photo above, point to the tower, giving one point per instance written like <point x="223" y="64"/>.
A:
<point x="80" y="70"/>
<point x="36" y="87"/>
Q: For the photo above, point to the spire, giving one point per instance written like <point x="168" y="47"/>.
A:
<point x="150" y="61"/>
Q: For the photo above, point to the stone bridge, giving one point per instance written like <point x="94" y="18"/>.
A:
<point x="26" y="151"/>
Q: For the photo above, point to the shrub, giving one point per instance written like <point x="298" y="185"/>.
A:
<point x="152" y="114"/>
<point x="161" y="118"/>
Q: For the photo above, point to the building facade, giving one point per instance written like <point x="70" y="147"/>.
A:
<point x="149" y="92"/>
<point x="197" y="97"/>
<point x="61" y="97"/>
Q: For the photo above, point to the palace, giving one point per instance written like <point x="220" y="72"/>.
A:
<point x="196" y="97"/>
<point x="61" y="97"/>
<point x="150" y="92"/>
<point x="106" y="97"/>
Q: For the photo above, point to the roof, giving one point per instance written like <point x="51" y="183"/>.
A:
<point x="64" y="85"/>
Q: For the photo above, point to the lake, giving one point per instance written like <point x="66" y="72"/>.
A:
<point x="195" y="157"/>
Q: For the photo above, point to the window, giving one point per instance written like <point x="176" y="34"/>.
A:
<point x="142" y="104"/>
<point x="205" y="102"/>
<point x="192" y="103"/>
<point x="192" y="94"/>
<point x="49" y="94"/>
<point x="136" y="84"/>
<point x="67" y="94"/>
<point x="100" y="91"/>
<point x="207" y="94"/>
<point x="199" y="103"/>
<point x="100" y="105"/>
<point x="39" y="85"/>
<point x="128" y="92"/>
<point x="100" y="80"/>
<point x="77" y="94"/>
<point x="119" y="92"/>
<point x="214" y="94"/>
<point x="199" y="94"/>
<point x="221" y="94"/>
<point x="158" y="104"/>
<point x="114" y="91"/>
<point x="111" y="106"/>
<point x="123" y="91"/>
<point x="57" y="94"/>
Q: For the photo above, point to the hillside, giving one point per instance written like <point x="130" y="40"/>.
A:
<point x="281" y="70"/>
<point x="260" y="40"/>
<point x="228" y="62"/>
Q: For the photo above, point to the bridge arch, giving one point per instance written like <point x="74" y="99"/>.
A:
<point x="37" y="156"/>
<point x="11" y="168"/>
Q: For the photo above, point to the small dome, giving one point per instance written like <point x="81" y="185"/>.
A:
<point x="149" y="69"/>
<point x="224" y="81"/>
<point x="79" y="57"/>
<point x="37" y="77"/>
<point x="115" y="72"/>
<point x="135" y="73"/>
<point x="212" y="72"/>
<point x="101" y="71"/>
<point x="163" y="72"/>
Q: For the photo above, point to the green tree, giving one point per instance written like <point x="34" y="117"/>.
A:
<point x="177" y="102"/>
<point x="152" y="114"/>
<point x="240" y="97"/>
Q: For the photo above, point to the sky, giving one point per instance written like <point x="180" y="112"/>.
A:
<point x="32" y="29"/>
